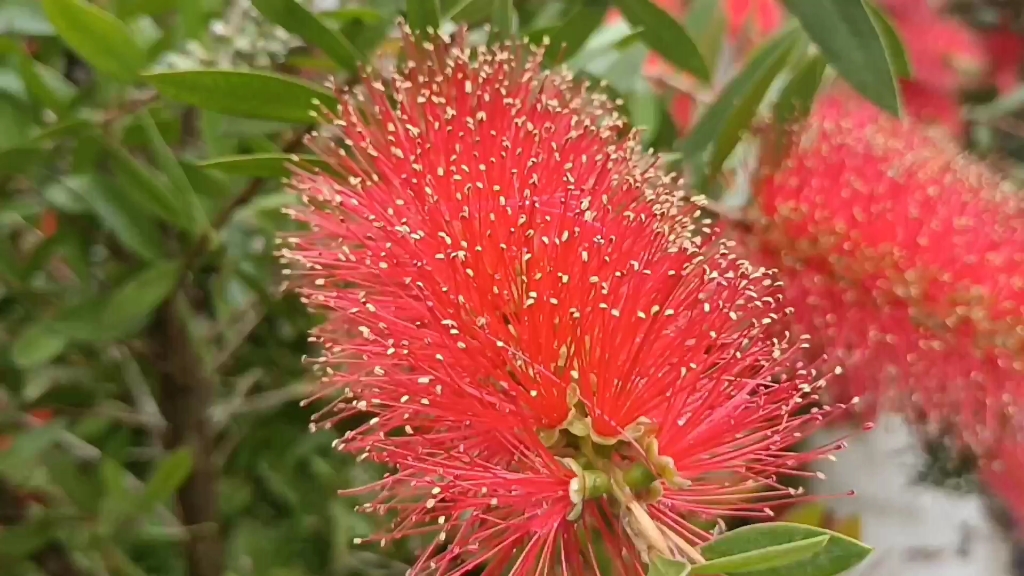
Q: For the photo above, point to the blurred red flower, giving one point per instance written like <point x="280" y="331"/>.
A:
<point x="908" y="257"/>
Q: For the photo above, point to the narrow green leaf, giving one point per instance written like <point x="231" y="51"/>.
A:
<point x="83" y="321"/>
<point x="24" y="18"/>
<point x="763" y="558"/>
<point x="796" y="99"/>
<point x="29" y="446"/>
<point x="119" y="214"/>
<point x="722" y="125"/>
<point x="848" y="36"/>
<point x="706" y="24"/>
<point x="503" y="18"/>
<point x="170" y="474"/>
<point x="186" y="202"/>
<point x="36" y="345"/>
<point x="363" y="28"/>
<point x="132" y="302"/>
<point x="296" y="19"/>
<point x="272" y="165"/>
<point x="17" y="159"/>
<point x="48" y="88"/>
<point x="81" y="487"/>
<point x="665" y="36"/>
<point x="72" y="127"/>
<point x="571" y="35"/>
<point x="423" y="14"/>
<point x="116" y="504"/>
<point x="747" y="105"/>
<point x="128" y="8"/>
<point x="145" y="185"/>
<point x="63" y="198"/>
<point x="247" y="94"/>
<point x="893" y="45"/>
<point x="645" y="112"/>
<point x="839" y="554"/>
<point x="97" y="36"/>
<point x="661" y="566"/>
<point x="21" y="541"/>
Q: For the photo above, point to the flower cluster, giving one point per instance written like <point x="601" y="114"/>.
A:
<point x="908" y="258"/>
<point x="546" y="344"/>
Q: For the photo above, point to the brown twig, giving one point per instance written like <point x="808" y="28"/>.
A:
<point x="186" y="390"/>
<point x="128" y="108"/>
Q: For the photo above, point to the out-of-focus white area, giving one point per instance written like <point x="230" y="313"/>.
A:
<point x="325" y="5"/>
<point x="915" y="529"/>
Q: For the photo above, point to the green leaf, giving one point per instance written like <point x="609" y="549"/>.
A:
<point x="763" y="558"/>
<point x="24" y="18"/>
<point x="129" y="8"/>
<point x="294" y="18"/>
<point x="665" y="36"/>
<point x="97" y="36"/>
<point x="661" y="566"/>
<point x="571" y="35"/>
<point x="15" y="160"/>
<point x="116" y="504"/>
<point x="271" y="165"/>
<point x="247" y="94"/>
<point x="145" y="186"/>
<point x="839" y="554"/>
<point x="81" y="488"/>
<point x="186" y="203"/>
<point x="722" y="125"/>
<point x="47" y="86"/>
<point x="796" y="99"/>
<point x="72" y="127"/>
<point x="423" y="14"/>
<point x="170" y="474"/>
<point x="848" y="36"/>
<point x="706" y="24"/>
<point x="37" y="345"/>
<point x="645" y="112"/>
<point x="133" y="302"/>
<point x="21" y="541"/>
<point x="893" y="45"/>
<point x="29" y="446"/>
<point x="118" y="214"/>
<point x="503" y="18"/>
<point x="82" y="321"/>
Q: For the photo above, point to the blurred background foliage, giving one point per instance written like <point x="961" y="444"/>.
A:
<point x="151" y="363"/>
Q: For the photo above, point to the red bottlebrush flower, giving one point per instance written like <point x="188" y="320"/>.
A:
<point x="909" y="258"/>
<point x="531" y="319"/>
<point x="943" y="52"/>
<point x="945" y="56"/>
<point x="933" y="106"/>
<point x="1005" y="50"/>
<point x="765" y="15"/>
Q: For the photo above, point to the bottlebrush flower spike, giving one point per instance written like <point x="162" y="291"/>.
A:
<point x="909" y="258"/>
<point x="546" y="349"/>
